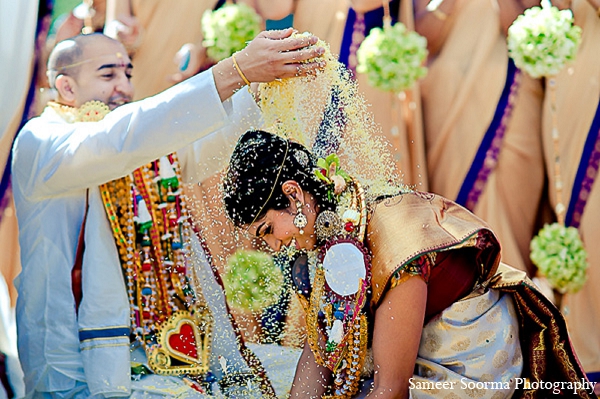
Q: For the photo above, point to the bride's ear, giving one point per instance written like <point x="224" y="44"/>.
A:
<point x="293" y="191"/>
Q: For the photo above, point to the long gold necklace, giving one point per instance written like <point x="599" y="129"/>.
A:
<point x="336" y="319"/>
<point x="170" y="319"/>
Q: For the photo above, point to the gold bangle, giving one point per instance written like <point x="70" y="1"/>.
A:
<point x="237" y="68"/>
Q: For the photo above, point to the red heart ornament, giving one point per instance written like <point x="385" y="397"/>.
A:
<point x="184" y="341"/>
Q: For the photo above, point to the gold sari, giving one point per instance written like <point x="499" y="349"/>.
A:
<point x="472" y="345"/>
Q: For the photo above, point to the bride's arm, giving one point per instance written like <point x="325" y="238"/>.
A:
<point x="311" y="378"/>
<point x="396" y="336"/>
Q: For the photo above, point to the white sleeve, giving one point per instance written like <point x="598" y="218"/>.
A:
<point x="211" y="153"/>
<point x="52" y="157"/>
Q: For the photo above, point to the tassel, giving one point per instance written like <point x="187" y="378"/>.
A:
<point x="143" y="218"/>
<point x="167" y="174"/>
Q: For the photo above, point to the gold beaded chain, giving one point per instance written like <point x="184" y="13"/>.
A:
<point x="347" y="359"/>
<point x="154" y="267"/>
<point x="161" y="298"/>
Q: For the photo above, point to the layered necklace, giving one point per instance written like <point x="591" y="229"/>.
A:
<point x="149" y="222"/>
<point x="336" y="295"/>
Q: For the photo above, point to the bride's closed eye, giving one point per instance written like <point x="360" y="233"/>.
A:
<point x="263" y="230"/>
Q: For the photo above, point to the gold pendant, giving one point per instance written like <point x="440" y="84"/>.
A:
<point x="183" y="344"/>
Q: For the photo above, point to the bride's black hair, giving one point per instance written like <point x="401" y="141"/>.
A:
<point x="261" y="162"/>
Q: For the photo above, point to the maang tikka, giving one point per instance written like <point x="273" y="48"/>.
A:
<point x="300" y="220"/>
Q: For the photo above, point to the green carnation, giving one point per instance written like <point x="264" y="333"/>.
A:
<point x="392" y="58"/>
<point x="543" y="40"/>
<point x="559" y="254"/>
<point x="228" y="29"/>
<point x="252" y="281"/>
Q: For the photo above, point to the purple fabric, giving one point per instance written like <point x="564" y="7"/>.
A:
<point x="586" y="173"/>
<point x="486" y="157"/>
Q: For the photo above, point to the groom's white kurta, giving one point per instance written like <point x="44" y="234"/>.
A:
<point x="54" y="164"/>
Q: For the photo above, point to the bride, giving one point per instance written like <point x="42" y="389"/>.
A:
<point x="404" y="292"/>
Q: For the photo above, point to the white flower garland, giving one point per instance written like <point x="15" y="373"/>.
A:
<point x="541" y="42"/>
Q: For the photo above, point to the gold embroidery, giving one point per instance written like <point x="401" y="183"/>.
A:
<point x="500" y="359"/>
<point x="461" y="345"/>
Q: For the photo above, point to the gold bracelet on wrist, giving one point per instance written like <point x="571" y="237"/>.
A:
<point x="239" y="71"/>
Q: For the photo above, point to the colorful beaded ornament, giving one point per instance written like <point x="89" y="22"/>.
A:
<point x="335" y="304"/>
<point x="149" y="221"/>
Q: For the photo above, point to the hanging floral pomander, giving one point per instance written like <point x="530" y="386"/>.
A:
<point x="543" y="40"/>
<point x="393" y="57"/>
<point x="252" y="280"/>
<point x="560" y="256"/>
<point x="228" y="29"/>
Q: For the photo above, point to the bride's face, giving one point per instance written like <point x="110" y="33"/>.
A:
<point x="277" y="227"/>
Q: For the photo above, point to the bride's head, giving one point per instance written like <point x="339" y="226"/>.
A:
<point x="270" y="190"/>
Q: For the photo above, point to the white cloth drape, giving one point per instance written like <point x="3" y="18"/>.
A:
<point x="18" y="21"/>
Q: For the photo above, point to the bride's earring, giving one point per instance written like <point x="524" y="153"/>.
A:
<point x="300" y="220"/>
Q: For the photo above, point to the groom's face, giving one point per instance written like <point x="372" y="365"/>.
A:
<point x="106" y="77"/>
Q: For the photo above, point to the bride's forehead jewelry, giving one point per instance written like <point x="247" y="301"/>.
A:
<point x="285" y="154"/>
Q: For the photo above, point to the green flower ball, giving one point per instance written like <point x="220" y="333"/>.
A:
<point x="252" y="281"/>
<point x="392" y="58"/>
<point x="228" y="29"/>
<point x="559" y="254"/>
<point x="543" y="39"/>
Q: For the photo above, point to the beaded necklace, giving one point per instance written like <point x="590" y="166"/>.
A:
<point x="336" y="311"/>
<point x="149" y="221"/>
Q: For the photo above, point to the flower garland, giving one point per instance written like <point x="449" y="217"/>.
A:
<point x="543" y="40"/>
<point x="557" y="250"/>
<point x="149" y="222"/>
<point x="148" y="217"/>
<point x="252" y="281"/>
<point x="228" y="29"/>
<point x="166" y="313"/>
